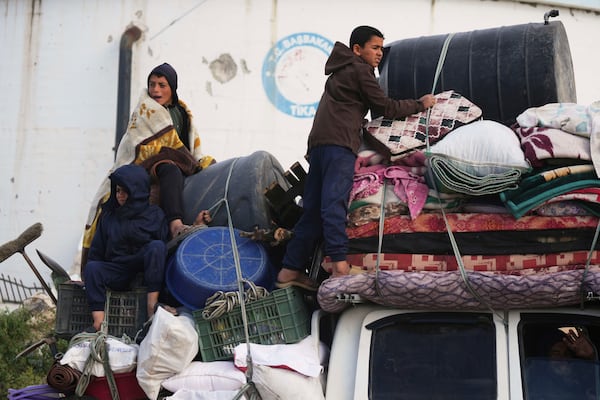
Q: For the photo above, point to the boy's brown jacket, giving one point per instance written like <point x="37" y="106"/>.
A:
<point x="350" y="92"/>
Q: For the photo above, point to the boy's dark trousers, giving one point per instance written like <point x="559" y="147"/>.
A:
<point x="325" y="207"/>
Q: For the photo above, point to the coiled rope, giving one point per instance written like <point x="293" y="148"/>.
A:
<point x="223" y="302"/>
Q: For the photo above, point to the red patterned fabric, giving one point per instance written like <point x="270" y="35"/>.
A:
<point x="514" y="264"/>
<point x="470" y="222"/>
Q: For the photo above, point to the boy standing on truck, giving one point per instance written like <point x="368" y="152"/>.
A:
<point x="350" y="92"/>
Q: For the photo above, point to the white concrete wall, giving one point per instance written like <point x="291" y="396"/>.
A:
<point x="58" y="79"/>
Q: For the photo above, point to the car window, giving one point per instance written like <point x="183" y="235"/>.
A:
<point x="554" y="366"/>
<point x="429" y="356"/>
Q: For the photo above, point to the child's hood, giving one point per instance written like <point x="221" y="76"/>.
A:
<point x="340" y="57"/>
<point x="135" y="180"/>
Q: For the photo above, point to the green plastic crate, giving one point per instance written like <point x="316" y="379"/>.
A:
<point x="127" y="311"/>
<point x="282" y="317"/>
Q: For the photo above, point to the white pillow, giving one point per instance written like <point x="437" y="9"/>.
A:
<point x="483" y="148"/>
<point x="207" y="376"/>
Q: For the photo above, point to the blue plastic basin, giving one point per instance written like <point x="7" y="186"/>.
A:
<point x="204" y="264"/>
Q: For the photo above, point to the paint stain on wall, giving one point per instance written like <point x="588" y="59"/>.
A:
<point x="244" y="66"/>
<point x="223" y="69"/>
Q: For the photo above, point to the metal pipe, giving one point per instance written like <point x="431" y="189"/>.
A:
<point x="550" y="14"/>
<point x="129" y="37"/>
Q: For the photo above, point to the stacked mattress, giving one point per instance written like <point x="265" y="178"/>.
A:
<point x="503" y="216"/>
<point x="495" y="261"/>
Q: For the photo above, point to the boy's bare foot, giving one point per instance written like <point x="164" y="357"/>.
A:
<point x="289" y="277"/>
<point x="286" y="275"/>
<point x="340" y="268"/>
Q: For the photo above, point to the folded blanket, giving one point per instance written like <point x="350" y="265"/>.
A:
<point x="542" y="144"/>
<point x="567" y="207"/>
<point x="534" y="190"/>
<point x="446" y="201"/>
<point x="366" y="184"/>
<point x="569" y="117"/>
<point x="454" y="176"/>
<point x="366" y="213"/>
<point x="594" y="113"/>
<point x="409" y="188"/>
<point x="590" y="195"/>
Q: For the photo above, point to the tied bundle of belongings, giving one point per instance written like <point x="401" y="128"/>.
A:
<point x="92" y="355"/>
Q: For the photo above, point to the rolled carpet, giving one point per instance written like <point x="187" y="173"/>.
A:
<point x="63" y="378"/>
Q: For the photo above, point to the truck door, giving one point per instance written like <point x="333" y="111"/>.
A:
<point x="557" y="355"/>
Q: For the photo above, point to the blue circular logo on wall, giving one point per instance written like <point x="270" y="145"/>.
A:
<point x="293" y="73"/>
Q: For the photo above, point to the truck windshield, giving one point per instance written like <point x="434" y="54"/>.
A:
<point x="425" y="356"/>
<point x="559" y="358"/>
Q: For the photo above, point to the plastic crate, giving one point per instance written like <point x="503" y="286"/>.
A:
<point x="282" y="317"/>
<point x="127" y="311"/>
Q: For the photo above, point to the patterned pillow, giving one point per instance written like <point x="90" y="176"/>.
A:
<point x="400" y="137"/>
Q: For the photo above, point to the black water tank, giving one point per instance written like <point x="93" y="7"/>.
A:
<point x="503" y="70"/>
<point x="243" y="181"/>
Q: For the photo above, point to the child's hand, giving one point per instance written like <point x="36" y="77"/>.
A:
<point x="428" y="100"/>
<point x="580" y="345"/>
<point x="203" y="218"/>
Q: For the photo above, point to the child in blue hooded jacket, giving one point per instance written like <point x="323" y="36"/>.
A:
<point x="130" y="238"/>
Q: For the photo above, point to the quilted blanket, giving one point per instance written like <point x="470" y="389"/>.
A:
<point x="396" y="139"/>
<point x="449" y="290"/>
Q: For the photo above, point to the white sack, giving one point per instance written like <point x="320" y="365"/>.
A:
<point x="170" y="345"/>
<point x="122" y="357"/>
<point x="207" y="376"/>
<point x="282" y="384"/>
<point x="302" y="357"/>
